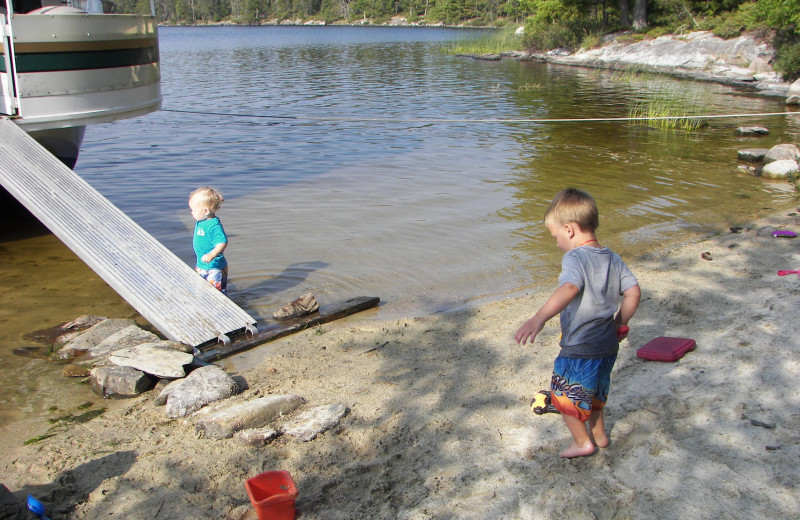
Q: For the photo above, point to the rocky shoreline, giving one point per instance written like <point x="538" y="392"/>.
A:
<point x="742" y="62"/>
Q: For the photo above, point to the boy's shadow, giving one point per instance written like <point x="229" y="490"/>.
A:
<point x="59" y="496"/>
<point x="292" y="276"/>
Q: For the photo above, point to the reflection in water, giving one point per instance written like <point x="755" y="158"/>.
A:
<point x="340" y="178"/>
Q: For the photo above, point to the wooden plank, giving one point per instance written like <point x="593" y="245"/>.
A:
<point x="325" y="314"/>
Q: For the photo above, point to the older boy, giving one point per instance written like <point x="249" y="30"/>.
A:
<point x="594" y="284"/>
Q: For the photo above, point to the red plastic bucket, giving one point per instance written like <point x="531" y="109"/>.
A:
<point x="272" y="494"/>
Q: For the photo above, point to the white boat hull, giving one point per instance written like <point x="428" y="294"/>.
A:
<point x="64" y="69"/>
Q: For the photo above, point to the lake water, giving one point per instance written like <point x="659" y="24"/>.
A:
<point x="368" y="161"/>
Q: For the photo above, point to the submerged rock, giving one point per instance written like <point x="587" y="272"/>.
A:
<point x="61" y="334"/>
<point x="73" y="370"/>
<point x="305" y="304"/>
<point x="128" y="337"/>
<point x="91" y="337"/>
<point x="32" y="352"/>
<point x="751" y="131"/>
<point x="752" y="154"/>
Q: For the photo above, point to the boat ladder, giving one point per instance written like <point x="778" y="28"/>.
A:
<point x="155" y="282"/>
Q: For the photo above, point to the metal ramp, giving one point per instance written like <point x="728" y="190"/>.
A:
<point x="159" y="285"/>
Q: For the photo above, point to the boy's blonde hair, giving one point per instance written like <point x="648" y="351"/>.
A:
<point x="572" y="205"/>
<point x="208" y="197"/>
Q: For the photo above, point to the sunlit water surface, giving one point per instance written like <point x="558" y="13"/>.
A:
<point x="367" y="161"/>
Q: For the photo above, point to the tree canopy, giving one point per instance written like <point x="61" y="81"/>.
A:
<point x="548" y="23"/>
<point x="608" y="13"/>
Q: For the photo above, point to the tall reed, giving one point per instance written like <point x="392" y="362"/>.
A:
<point x="669" y="109"/>
<point x="493" y="42"/>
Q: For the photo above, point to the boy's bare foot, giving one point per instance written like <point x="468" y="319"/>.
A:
<point x="578" y="450"/>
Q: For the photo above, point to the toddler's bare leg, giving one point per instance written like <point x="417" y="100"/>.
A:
<point x="581" y="442"/>
<point x="597" y="432"/>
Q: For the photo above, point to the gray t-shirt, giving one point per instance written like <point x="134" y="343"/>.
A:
<point x="588" y="329"/>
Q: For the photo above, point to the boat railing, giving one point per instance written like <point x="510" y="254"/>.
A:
<point x="87" y="6"/>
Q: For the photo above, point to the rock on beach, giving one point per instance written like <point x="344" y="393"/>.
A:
<point x="307" y="425"/>
<point x="118" y="381"/>
<point x="203" y="386"/>
<point x="255" y="413"/>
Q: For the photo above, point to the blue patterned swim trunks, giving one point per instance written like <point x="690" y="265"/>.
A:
<point x="216" y="277"/>
<point x="581" y="385"/>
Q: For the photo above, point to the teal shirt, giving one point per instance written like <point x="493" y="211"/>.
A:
<point x="207" y="234"/>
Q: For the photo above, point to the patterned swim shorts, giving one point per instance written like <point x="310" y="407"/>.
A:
<point x="581" y="385"/>
<point x="216" y="277"/>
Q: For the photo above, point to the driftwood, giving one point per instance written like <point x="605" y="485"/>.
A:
<point x="325" y="314"/>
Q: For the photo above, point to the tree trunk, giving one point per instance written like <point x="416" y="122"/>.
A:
<point x="639" y="14"/>
<point x="625" y="13"/>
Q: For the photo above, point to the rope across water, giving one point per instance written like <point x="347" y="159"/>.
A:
<point x="466" y="120"/>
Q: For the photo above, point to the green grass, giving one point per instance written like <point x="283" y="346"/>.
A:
<point x="38" y="438"/>
<point x="669" y="109"/>
<point x="493" y="42"/>
<point x="631" y="74"/>
<point x="64" y="422"/>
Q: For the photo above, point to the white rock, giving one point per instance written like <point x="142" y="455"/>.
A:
<point x="153" y="359"/>
<point x="255" y="436"/>
<point x="92" y="336"/>
<point x="793" y="94"/>
<point x="307" y="425"/>
<point x="256" y="413"/>
<point x="780" y="169"/>
<point x="759" y="66"/>
<point x="128" y="337"/>
<point x="203" y="386"/>
<point x="781" y="152"/>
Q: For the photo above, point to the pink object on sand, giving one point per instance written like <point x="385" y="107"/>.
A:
<point x="785" y="273"/>
<point x="783" y="233"/>
<point x="666" y="349"/>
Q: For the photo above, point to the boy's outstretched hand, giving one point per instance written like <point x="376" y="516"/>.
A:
<point x="555" y="304"/>
<point x="529" y="329"/>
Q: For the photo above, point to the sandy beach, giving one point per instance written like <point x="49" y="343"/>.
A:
<point x="440" y="425"/>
